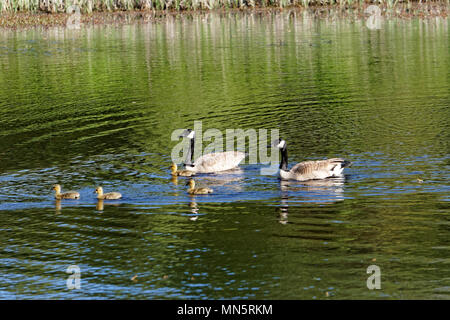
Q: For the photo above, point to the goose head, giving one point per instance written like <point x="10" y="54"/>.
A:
<point x="188" y="133"/>
<point x="173" y="168"/>
<point x="191" y="184"/>
<point x="99" y="190"/>
<point x="279" y="143"/>
<point x="57" y="188"/>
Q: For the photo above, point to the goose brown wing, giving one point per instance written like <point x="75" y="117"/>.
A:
<point x="309" y="167"/>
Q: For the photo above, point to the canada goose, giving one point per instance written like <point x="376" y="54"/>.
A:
<point x="65" y="195"/>
<point x="182" y="173"/>
<point x="309" y="170"/>
<point x="211" y="162"/>
<point x="193" y="190"/>
<point x="107" y="196"/>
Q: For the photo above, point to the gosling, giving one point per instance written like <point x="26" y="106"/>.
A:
<point x="182" y="173"/>
<point x="193" y="190"/>
<point x="107" y="196"/>
<point x="65" y="195"/>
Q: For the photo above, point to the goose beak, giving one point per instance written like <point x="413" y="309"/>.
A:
<point x="187" y="183"/>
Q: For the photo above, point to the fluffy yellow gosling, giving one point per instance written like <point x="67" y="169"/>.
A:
<point x="65" y="195"/>
<point x="193" y="190"/>
<point x="107" y="196"/>
<point x="182" y="173"/>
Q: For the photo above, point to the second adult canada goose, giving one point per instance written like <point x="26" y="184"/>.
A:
<point x="211" y="162"/>
<point x="65" y="195"/>
<point x="107" y="196"/>
<point x="309" y="170"/>
<point x="193" y="190"/>
<point x="182" y="173"/>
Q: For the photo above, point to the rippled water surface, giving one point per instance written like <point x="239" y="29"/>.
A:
<point x="97" y="106"/>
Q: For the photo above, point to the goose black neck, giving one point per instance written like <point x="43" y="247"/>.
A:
<point x="190" y="154"/>
<point x="284" y="159"/>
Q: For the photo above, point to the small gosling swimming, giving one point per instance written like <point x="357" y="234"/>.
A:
<point x="107" y="196"/>
<point x="182" y="173"/>
<point x="65" y="195"/>
<point x="193" y="190"/>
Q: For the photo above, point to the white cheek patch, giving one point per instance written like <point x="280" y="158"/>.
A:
<point x="191" y="135"/>
<point x="281" y="144"/>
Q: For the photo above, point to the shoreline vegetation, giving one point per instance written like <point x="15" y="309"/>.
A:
<point x="15" y="14"/>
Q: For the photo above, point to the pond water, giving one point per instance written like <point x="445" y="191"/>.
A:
<point x="97" y="106"/>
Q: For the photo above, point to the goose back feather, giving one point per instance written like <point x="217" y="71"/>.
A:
<point x="110" y="196"/>
<point x="320" y="169"/>
<point x="215" y="162"/>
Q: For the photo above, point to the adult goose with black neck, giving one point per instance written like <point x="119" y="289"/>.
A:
<point x="309" y="170"/>
<point x="211" y="162"/>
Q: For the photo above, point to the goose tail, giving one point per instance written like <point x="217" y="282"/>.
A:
<point x="346" y="164"/>
<point x="342" y="162"/>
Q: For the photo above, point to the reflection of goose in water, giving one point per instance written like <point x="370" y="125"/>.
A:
<point x="193" y="206"/>
<point x="313" y="185"/>
<point x="232" y="172"/>
<point x="309" y="170"/>
<point x="315" y="191"/>
<point x="100" y="206"/>
<point x="284" y="206"/>
<point x="211" y="162"/>
<point x="174" y="180"/>
<point x="194" y="209"/>
<point x="232" y="180"/>
<point x="58" y="206"/>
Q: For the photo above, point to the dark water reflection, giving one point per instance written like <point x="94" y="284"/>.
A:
<point x="97" y="106"/>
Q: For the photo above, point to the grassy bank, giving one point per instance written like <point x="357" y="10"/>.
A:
<point x="88" y="6"/>
<point x="38" y="15"/>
